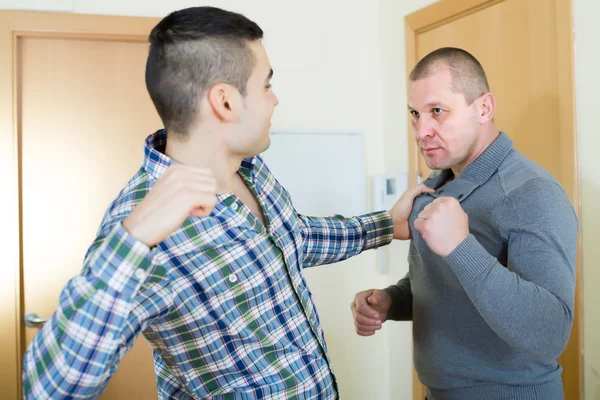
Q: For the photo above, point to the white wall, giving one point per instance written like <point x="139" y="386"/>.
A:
<point x="587" y="86"/>
<point x="328" y="81"/>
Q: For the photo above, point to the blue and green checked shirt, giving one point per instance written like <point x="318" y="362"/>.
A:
<point x="223" y="300"/>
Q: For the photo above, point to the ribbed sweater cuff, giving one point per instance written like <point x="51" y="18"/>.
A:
<point x="469" y="260"/>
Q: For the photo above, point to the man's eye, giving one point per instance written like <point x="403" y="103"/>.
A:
<point x="437" y="111"/>
<point x="414" y="113"/>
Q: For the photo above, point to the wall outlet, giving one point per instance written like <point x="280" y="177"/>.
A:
<point x="387" y="189"/>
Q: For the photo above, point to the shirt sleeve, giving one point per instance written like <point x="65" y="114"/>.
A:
<point x="75" y="353"/>
<point x="329" y="240"/>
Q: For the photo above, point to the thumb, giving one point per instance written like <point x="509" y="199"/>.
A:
<point x="374" y="299"/>
<point x="418" y="224"/>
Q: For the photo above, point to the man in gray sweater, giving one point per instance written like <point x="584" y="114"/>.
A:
<point x="491" y="281"/>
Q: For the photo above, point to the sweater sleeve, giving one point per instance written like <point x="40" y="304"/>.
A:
<point x="529" y="302"/>
<point x="402" y="300"/>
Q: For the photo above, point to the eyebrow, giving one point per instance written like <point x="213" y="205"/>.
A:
<point x="270" y="74"/>
<point x="431" y="105"/>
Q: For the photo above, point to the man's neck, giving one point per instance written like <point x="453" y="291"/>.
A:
<point x="488" y="138"/>
<point x="206" y="151"/>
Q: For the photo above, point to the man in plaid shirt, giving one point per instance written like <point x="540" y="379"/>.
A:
<point x="202" y="252"/>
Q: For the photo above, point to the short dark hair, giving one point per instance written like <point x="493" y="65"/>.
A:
<point x="468" y="76"/>
<point x="190" y="51"/>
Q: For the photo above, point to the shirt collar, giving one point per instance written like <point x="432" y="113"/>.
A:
<point x="247" y="168"/>
<point x="156" y="161"/>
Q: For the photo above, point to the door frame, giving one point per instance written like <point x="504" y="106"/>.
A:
<point x="445" y="11"/>
<point x="15" y="25"/>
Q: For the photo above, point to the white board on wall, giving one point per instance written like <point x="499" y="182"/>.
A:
<point x="323" y="172"/>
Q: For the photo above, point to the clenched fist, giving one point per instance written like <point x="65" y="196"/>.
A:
<point x="182" y="191"/>
<point x="443" y="224"/>
<point x="369" y="309"/>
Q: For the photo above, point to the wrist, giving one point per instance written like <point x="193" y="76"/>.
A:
<point x="134" y="228"/>
<point x="450" y="250"/>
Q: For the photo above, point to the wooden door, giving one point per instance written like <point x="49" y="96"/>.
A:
<point x="526" y="49"/>
<point x="82" y="114"/>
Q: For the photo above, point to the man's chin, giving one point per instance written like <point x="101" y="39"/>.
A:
<point x="435" y="166"/>
<point x="264" y="146"/>
<point x="267" y="143"/>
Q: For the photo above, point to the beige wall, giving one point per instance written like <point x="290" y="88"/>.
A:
<point x="587" y="65"/>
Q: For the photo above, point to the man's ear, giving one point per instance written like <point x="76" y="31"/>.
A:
<point x="224" y="101"/>
<point x="486" y="108"/>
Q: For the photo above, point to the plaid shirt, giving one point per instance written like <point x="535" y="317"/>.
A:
<point x="223" y="300"/>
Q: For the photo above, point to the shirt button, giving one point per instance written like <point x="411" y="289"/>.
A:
<point x="234" y="207"/>
<point x="109" y="336"/>
<point x="232" y="278"/>
<point x="140" y="274"/>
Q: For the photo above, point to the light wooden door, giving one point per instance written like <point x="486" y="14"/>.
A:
<point x="83" y="114"/>
<point x="525" y="47"/>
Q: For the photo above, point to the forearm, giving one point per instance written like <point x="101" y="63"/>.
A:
<point x="402" y="300"/>
<point x="329" y="240"/>
<point x="75" y="352"/>
<point x="526" y="315"/>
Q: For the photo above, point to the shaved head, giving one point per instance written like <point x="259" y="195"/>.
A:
<point x="468" y="76"/>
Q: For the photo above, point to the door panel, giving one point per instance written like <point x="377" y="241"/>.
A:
<point x="84" y="116"/>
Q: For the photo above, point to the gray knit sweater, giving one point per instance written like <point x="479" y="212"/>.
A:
<point x="491" y="319"/>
